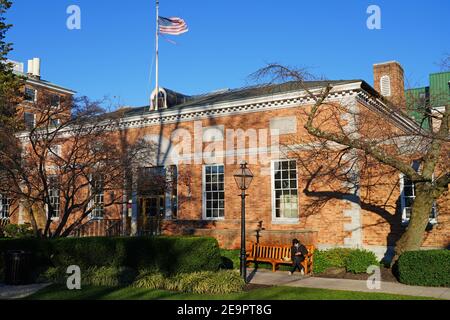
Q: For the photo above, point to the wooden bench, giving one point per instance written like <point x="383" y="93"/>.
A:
<point x="278" y="254"/>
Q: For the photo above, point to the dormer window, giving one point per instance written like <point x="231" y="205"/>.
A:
<point x="385" y="85"/>
<point x="162" y="99"/>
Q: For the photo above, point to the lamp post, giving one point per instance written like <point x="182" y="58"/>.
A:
<point x="243" y="178"/>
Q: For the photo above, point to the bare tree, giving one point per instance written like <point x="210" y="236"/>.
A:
<point x="70" y="157"/>
<point x="354" y="149"/>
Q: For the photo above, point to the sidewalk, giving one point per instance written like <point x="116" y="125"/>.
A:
<point x="19" y="292"/>
<point x="282" y="278"/>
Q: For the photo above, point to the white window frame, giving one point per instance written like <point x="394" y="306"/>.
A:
<point x="35" y="95"/>
<point x="56" y="149"/>
<point x="275" y="219"/>
<point x="56" y="218"/>
<point x="8" y="207"/>
<point x="405" y="220"/>
<point x="55" y="122"/>
<point x="59" y="101"/>
<point x="92" y="215"/>
<point x="34" y="119"/>
<point x="204" y="193"/>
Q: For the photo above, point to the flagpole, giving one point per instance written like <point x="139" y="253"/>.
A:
<point x="157" y="55"/>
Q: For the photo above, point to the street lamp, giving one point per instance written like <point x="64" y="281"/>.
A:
<point x="243" y="178"/>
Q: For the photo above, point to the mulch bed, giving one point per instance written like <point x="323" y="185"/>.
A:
<point x="386" y="275"/>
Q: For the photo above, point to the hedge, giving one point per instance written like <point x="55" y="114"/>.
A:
<point x="169" y="255"/>
<point x="425" y="268"/>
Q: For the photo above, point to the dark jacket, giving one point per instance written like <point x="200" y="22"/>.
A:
<point x="300" y="249"/>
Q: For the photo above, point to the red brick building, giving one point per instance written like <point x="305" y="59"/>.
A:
<point x="202" y="139"/>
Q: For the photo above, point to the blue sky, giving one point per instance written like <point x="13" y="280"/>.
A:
<point x="112" y="54"/>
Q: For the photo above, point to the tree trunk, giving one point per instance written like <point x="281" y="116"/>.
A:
<point x="412" y="239"/>
<point x="33" y="221"/>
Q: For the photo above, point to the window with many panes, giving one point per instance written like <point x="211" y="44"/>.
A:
<point x="214" y="191"/>
<point x="30" y="94"/>
<point x="54" y="197"/>
<point x="407" y="200"/>
<point x="98" y="197"/>
<point x="5" y="203"/>
<point x="55" y="100"/>
<point x="408" y="194"/>
<point x="285" y="190"/>
<point x="30" y="120"/>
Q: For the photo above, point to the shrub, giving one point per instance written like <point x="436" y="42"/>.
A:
<point x="425" y="268"/>
<point x="230" y="259"/>
<point x="150" y="281"/>
<point x="324" y="259"/>
<point x="359" y="260"/>
<point x="17" y="231"/>
<point x="353" y="260"/>
<point x="222" y="282"/>
<point x="108" y="276"/>
<point x="170" y="255"/>
<point x="204" y="282"/>
<point x="52" y="275"/>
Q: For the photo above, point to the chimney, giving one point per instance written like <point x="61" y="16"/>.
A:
<point x="390" y="83"/>
<point x="37" y="67"/>
<point x="34" y="68"/>
<point x="30" y="67"/>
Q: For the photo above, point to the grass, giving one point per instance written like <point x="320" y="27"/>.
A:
<point x="58" y="292"/>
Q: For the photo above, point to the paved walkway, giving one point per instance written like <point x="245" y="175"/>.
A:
<point x="283" y="278"/>
<point x="19" y="292"/>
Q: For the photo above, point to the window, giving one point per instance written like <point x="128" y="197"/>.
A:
<point x="173" y="174"/>
<point x="55" y="150"/>
<point x="53" y="210"/>
<point x="214" y="191"/>
<point x="55" y="100"/>
<point x="55" y="122"/>
<point x="29" y="120"/>
<point x="285" y="190"/>
<point x="408" y="194"/>
<point x="98" y="198"/>
<point x="30" y="94"/>
<point x="5" y="203"/>
<point x="385" y="85"/>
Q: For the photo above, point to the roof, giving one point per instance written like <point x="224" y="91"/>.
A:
<point x="226" y="95"/>
<point x="48" y="84"/>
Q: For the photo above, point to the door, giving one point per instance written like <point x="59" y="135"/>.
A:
<point x="152" y="212"/>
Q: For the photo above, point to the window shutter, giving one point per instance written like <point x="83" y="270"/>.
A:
<point x="385" y="85"/>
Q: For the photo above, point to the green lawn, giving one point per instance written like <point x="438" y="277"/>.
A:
<point x="57" y="292"/>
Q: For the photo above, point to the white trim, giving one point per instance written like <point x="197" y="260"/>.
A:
<point x="276" y="220"/>
<point x="35" y="94"/>
<point x="204" y="201"/>
<point x="92" y="202"/>
<point x="8" y="207"/>
<point x="251" y="105"/>
<point x="405" y="220"/>
<point x="49" y="86"/>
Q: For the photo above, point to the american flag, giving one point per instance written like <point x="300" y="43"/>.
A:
<point x="174" y="26"/>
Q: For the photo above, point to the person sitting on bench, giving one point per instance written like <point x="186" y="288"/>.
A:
<point x="298" y="254"/>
